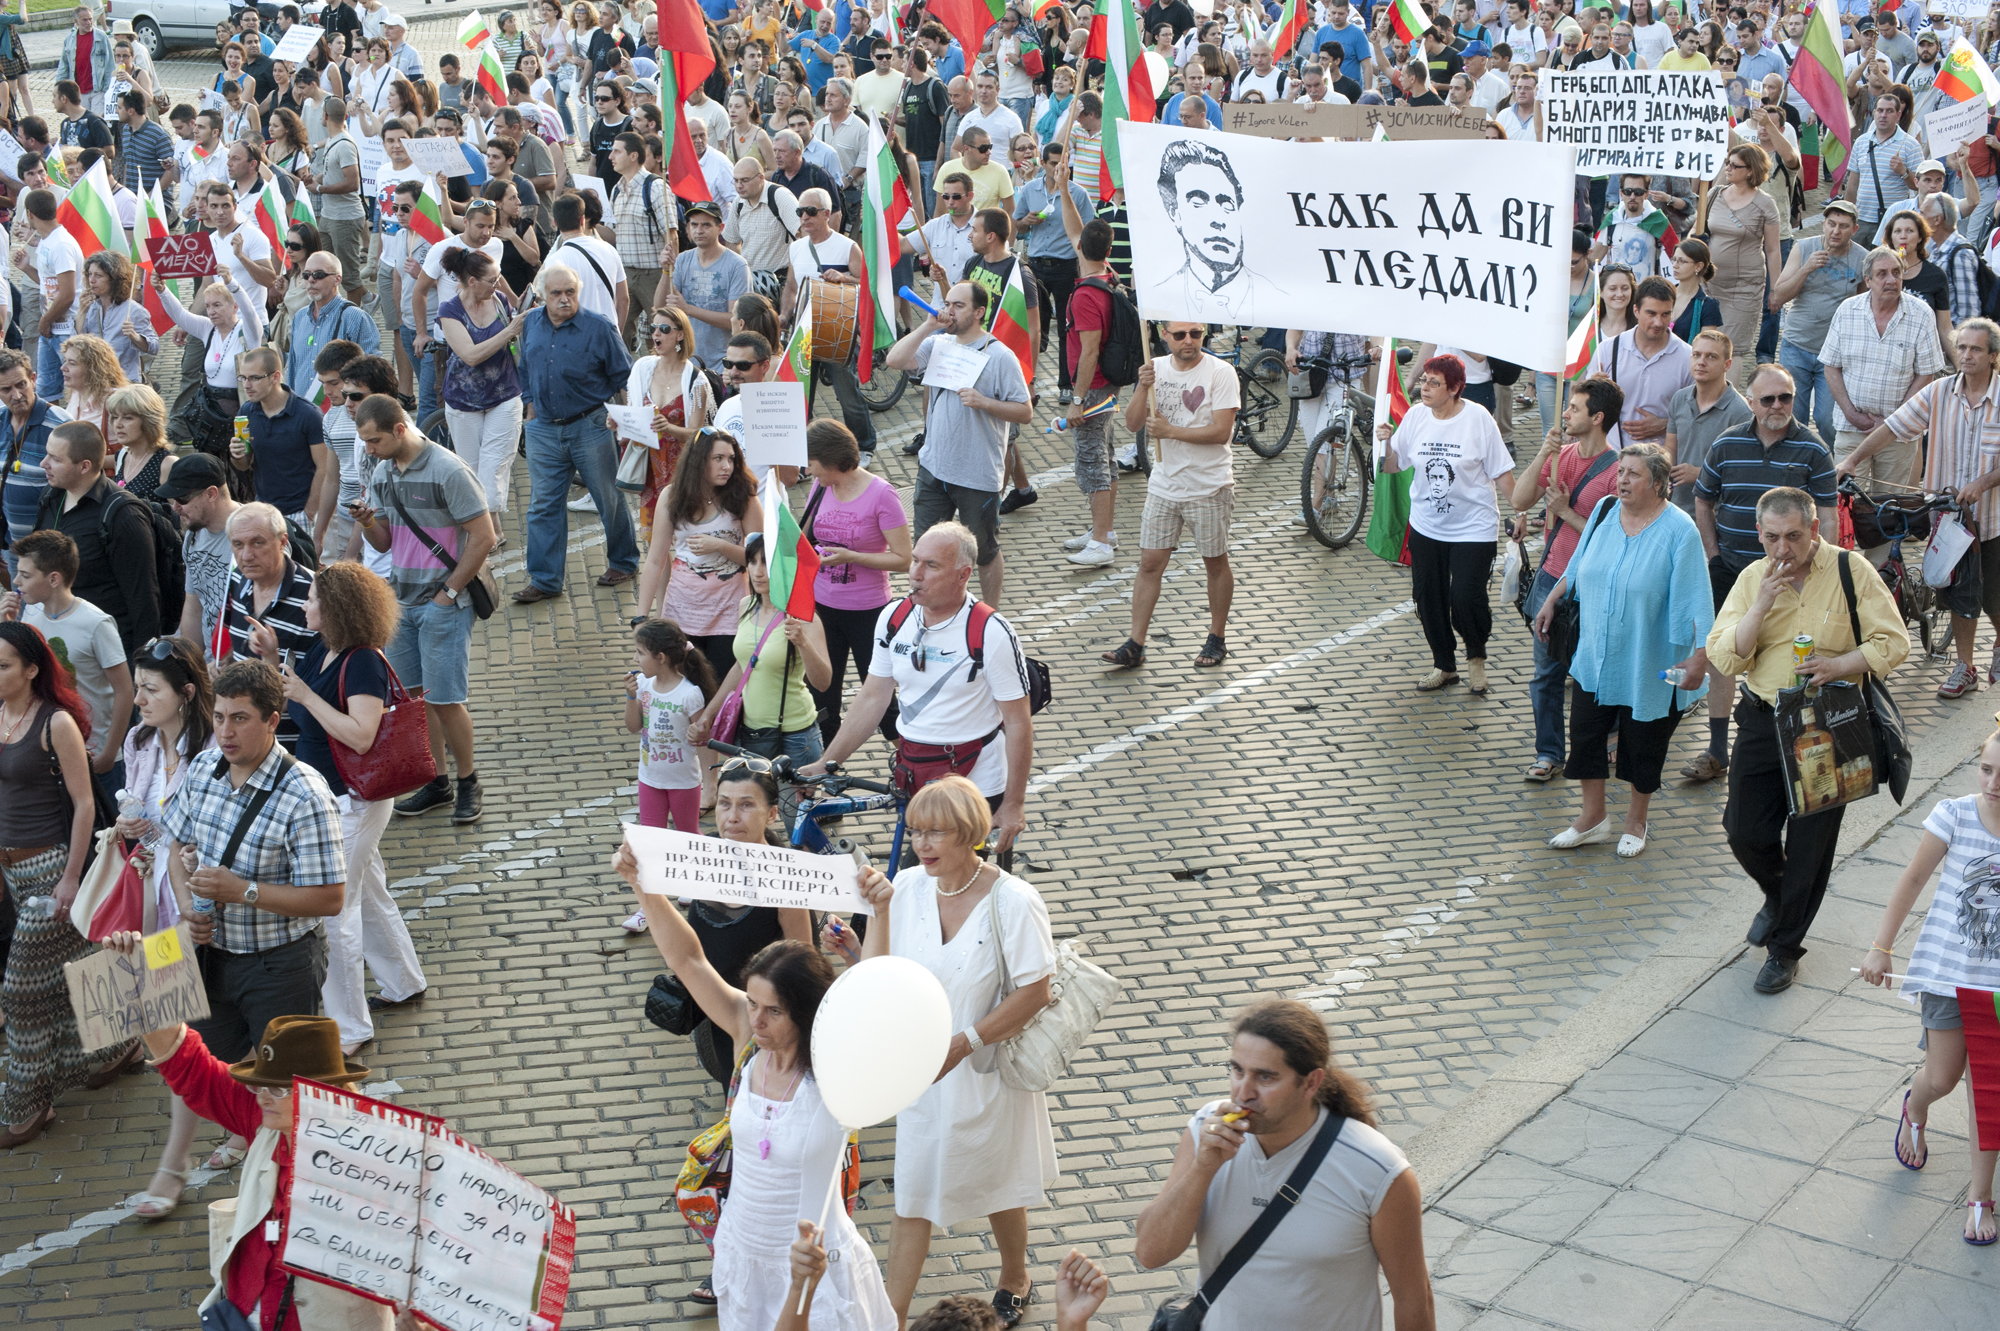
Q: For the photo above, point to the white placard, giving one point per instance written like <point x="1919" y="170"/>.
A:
<point x="634" y="423"/>
<point x="681" y="864"/>
<point x="953" y="365"/>
<point x="1954" y="125"/>
<point x="595" y="186"/>
<point x="483" y="1233"/>
<point x="357" y="1171"/>
<point x="1453" y="241"/>
<point x="374" y="157"/>
<point x="1663" y="122"/>
<point x="774" y="425"/>
<point x="1972" y="10"/>
<point x="208" y="99"/>
<point x="438" y="156"/>
<point x="297" y="44"/>
<point x="11" y="153"/>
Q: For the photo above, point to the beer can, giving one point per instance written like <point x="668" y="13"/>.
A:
<point x="1802" y="647"/>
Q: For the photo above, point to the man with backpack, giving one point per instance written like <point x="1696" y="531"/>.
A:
<point x="1092" y="319"/>
<point x="120" y="562"/>
<point x="763" y="223"/>
<point x="1038" y="213"/>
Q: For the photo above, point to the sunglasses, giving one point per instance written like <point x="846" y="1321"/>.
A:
<point x="406" y="207"/>
<point x="744" y="366"/>
<point x="810" y="212"/>
<point x="298" y="245"/>
<point x="744" y="762"/>
<point x="979" y="147"/>
<point x="951" y="198"/>
<point x="353" y="396"/>
<point x="1633" y="193"/>
<point x="1196" y="333"/>
<point x="159" y="649"/>
<point x="482" y="206"/>
<point x="314" y="274"/>
<point x="665" y="328"/>
<point x="1774" y="400"/>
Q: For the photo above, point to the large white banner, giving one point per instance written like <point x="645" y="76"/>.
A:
<point x="706" y="868"/>
<point x="1662" y="122"/>
<point x="1465" y="243"/>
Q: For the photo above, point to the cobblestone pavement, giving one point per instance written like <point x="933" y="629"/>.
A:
<point x="1297" y="822"/>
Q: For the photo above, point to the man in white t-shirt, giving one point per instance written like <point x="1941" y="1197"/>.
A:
<point x="59" y="264"/>
<point x="959" y="694"/>
<point x="84" y="638"/>
<point x="241" y="249"/>
<point x="824" y="253"/>
<point x="478" y="235"/>
<point x="1520" y="120"/>
<point x="600" y="273"/>
<point x="1186" y="403"/>
<point x="945" y="242"/>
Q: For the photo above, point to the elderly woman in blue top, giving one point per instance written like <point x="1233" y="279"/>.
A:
<point x="1641" y="583"/>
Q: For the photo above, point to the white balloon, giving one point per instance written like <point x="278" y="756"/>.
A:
<point x="880" y="1037"/>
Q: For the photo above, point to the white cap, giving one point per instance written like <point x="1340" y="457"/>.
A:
<point x="393" y="21"/>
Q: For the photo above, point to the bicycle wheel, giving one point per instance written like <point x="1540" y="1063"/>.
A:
<point x="885" y="386"/>
<point x="436" y="428"/>
<point x="1333" y="492"/>
<point x="1269" y="414"/>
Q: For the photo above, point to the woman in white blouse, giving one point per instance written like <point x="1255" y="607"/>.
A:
<point x="231" y="324"/>
<point x="972" y="1145"/>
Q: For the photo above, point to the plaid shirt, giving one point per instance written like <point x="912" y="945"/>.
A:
<point x="295" y="841"/>
<point x="1877" y="367"/>
<point x="1961" y="269"/>
<point x="641" y="239"/>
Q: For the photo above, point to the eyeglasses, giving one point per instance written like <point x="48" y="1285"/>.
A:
<point x="743" y="366"/>
<point x="353" y="396"/>
<point x="1774" y="400"/>
<point x="810" y="211"/>
<point x="1183" y="335"/>
<point x="275" y="1092"/>
<point x="744" y="762"/>
<point x="254" y="378"/>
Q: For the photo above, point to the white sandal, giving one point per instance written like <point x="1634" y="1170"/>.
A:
<point x="226" y="1156"/>
<point x="1570" y="838"/>
<point x="1629" y="846"/>
<point x="152" y="1206"/>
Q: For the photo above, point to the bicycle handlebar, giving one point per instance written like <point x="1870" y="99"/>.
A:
<point x="1943" y="501"/>
<point x="784" y="769"/>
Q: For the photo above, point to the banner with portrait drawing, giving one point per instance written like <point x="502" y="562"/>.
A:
<point x="1462" y="243"/>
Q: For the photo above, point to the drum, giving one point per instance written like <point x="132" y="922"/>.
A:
<point x="836" y="315"/>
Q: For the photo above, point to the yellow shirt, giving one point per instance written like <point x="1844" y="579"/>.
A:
<point x="990" y="183"/>
<point x="1821" y="610"/>
<point x="1675" y="60"/>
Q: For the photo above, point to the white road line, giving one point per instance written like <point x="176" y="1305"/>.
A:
<point x="84" y="1226"/>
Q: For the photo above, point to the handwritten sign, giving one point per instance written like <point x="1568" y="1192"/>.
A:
<point x="774" y="425"/>
<point x="1672" y="122"/>
<point x="633" y="423"/>
<point x="395" y="1206"/>
<point x="1323" y="120"/>
<point x="192" y="255"/>
<point x="438" y="156"/>
<point x="118" y="996"/>
<point x="681" y="864"/>
<point x="297" y="44"/>
<point x="11" y="153"/>
<point x="953" y="365"/>
<point x="1955" y="125"/>
<point x="373" y="158"/>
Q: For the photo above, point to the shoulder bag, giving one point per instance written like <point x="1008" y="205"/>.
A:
<point x="481" y="591"/>
<point x="1892" y="738"/>
<point x="1566" y="624"/>
<point x="1079" y="993"/>
<point x="730" y="714"/>
<point x="1187" y="1313"/>
<point x="400" y="759"/>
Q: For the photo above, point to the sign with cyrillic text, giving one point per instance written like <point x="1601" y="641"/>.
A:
<point x="1661" y="122"/>
<point x="1460" y="243"/>
<point x="119" y="996"/>
<point x="1954" y="125"/>
<point x="1325" y="120"/>
<point x="706" y="868"/>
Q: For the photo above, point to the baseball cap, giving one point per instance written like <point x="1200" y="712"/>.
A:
<point x="1864" y="24"/>
<point x="708" y="206"/>
<point x="1835" y="206"/>
<point x="191" y="474"/>
<point x="1475" y="48"/>
<point x="393" y="21"/>
<point x="1930" y="164"/>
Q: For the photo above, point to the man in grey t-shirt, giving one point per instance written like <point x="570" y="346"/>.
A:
<point x="965" y="437"/>
<point x="336" y="185"/>
<point x="198" y="489"/>
<point x="1824" y="270"/>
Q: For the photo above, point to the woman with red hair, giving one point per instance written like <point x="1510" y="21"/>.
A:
<point x="1461" y="466"/>
<point x="47" y="809"/>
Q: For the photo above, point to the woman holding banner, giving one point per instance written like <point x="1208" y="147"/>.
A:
<point x="972" y="1145"/>
<point x="784" y="1144"/>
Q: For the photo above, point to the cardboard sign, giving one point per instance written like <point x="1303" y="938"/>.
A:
<point x="438" y="156"/>
<point x="774" y="425"/>
<point x="192" y="255"/>
<point x="1662" y="122"/>
<point x="297" y="44"/>
<point x="1323" y="120"/>
<point x="119" y="997"/>
<point x="396" y="1207"/>
<point x="1954" y="125"/>
<point x="681" y="864"/>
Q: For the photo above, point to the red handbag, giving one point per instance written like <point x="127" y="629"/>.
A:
<point x="400" y="759"/>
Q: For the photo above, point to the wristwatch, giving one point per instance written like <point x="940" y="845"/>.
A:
<point x="450" y="592"/>
<point x="250" y="894"/>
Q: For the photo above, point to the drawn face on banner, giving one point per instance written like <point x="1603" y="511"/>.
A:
<point x="1204" y="200"/>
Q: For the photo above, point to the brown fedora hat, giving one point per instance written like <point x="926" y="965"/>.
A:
<point x="298" y="1047"/>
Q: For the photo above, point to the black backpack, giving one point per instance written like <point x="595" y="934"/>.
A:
<point x="1124" y="349"/>
<point x="169" y="567"/>
<point x="1041" y="686"/>
<point x="302" y="549"/>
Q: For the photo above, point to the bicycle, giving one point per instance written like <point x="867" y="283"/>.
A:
<point x="1894" y="520"/>
<point x="1340" y="464"/>
<point x="806" y="833"/>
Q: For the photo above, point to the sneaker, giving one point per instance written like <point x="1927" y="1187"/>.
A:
<point x="1075" y="543"/>
<point x="635" y="923"/>
<point x="867" y="459"/>
<point x="468" y="806"/>
<point x="434" y="794"/>
<point x="1065" y="397"/>
<point x="1017" y="499"/>
<point x="1128" y="457"/>
<point x="583" y="503"/>
<point x="1093" y="555"/>
<point x="1964" y="679"/>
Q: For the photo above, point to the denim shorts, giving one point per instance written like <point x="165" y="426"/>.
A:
<point x="432" y="650"/>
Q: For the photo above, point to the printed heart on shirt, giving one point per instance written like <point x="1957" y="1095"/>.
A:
<point x="1192" y="398"/>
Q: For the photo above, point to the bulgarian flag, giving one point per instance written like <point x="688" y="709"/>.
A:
<point x="1408" y="19"/>
<point x="1653" y="222"/>
<point x="1582" y="345"/>
<point x="271" y="215"/>
<point x="1247" y="25"/>
<point x="1981" y="1010"/>
<point x="685" y="62"/>
<point x="427" y="218"/>
<point x="489" y="74"/>
<point x="1389" y="527"/>
<point x="1293" y="23"/>
<point x="302" y="212"/>
<point x="90" y="216"/>
<point x="790" y="557"/>
<point x="795" y="358"/>
<point x="318" y="398"/>
<point x="1966" y="76"/>
<point x="1818" y="73"/>
<point x="1128" y="84"/>
<point x="968" y="21"/>
<point x="57" y="175"/>
<point x="152" y="225"/>
<point x="1010" y="322"/>
<point x="885" y="202"/>
<point x="473" y="32"/>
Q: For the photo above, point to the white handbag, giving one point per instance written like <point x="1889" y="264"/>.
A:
<point x="1079" y="994"/>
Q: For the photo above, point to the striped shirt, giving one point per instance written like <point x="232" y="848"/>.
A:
<point x="1740" y="469"/>
<point x="284" y="616"/>
<point x="1965" y="440"/>
<point x="441" y="494"/>
<point x="1959" y="943"/>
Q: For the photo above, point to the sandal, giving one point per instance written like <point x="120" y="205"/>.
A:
<point x="1436" y="680"/>
<point x="1011" y="1306"/>
<point x="114" y="1070"/>
<point x="1213" y="653"/>
<point x="1980" y="1243"/>
<point x="157" y="1206"/>
<point x="10" y="1139"/>
<point x="704" y="1293"/>
<point x="1542" y="769"/>
<point x="226" y="1156"/>
<point x="1127" y="657"/>
<point x="1916" y="1140"/>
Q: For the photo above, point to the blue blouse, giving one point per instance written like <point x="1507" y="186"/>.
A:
<point x="1646" y="605"/>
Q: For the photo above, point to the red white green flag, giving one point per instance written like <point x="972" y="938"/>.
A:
<point x="1389" y="524"/>
<point x="792" y="560"/>
<point x="685" y="62"/>
<point x="967" y="20"/>
<point x="57" y="174"/>
<point x="1966" y="76"/>
<point x="1293" y="23"/>
<point x="427" y="218"/>
<point x="271" y="216"/>
<point x="1981" y="1010"/>
<point x="1010" y="322"/>
<point x="1582" y="346"/>
<point x="1128" y="84"/>
<point x="885" y="202"/>
<point x="302" y="212"/>
<point x="795" y="361"/>
<point x="1408" y="20"/>
<point x="490" y="75"/>
<point x="90" y="216"/>
<point x="1819" y="73"/>
<point x="152" y="225"/>
<point x="473" y="32"/>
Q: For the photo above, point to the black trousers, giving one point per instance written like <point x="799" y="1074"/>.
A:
<point x="1642" y="745"/>
<point x="247" y="989"/>
<point x="1448" y="582"/>
<point x="1056" y="278"/>
<point x="1789" y="858"/>
<point x="850" y="635"/>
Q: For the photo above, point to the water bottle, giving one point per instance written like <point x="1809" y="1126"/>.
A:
<point x="38" y="908"/>
<point x="130" y="806"/>
<point x="1676" y="677"/>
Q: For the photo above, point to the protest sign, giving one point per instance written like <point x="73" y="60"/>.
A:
<point x="397" y="1207"/>
<point x="1972" y="10"/>
<point x="298" y="43"/>
<point x="374" y="157"/>
<point x="1456" y="243"/>
<point x="953" y="365"/>
<point x="681" y="864"/>
<point x="633" y="423"/>
<point x="11" y="153"/>
<point x="580" y="181"/>
<point x="192" y="255"/>
<point x="1954" y="125"/>
<point x="439" y="156"/>
<point x="774" y="425"/>
<point x="208" y="99"/>
<point x="1663" y="122"/>
<point x="1324" y="120"/>
<point x="118" y="996"/>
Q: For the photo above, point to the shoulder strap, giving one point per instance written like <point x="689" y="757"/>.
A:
<point x="1597" y="516"/>
<point x="1596" y="469"/>
<point x="1853" y="608"/>
<point x="975" y="637"/>
<point x="436" y="549"/>
<point x="595" y="267"/>
<point x="1288" y="1196"/>
<point x="898" y="617"/>
<point x="256" y="806"/>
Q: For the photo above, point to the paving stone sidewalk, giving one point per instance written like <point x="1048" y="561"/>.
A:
<point x="1731" y="1167"/>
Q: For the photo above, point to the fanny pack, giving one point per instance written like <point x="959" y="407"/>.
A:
<point x="916" y="764"/>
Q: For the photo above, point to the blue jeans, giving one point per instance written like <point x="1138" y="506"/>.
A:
<point x="48" y="367"/>
<point x="925" y="172"/>
<point x="1767" y="335"/>
<point x="583" y="446"/>
<point x="1024" y="107"/>
<point x="1814" y="403"/>
<point x="427" y="375"/>
<point x="1546" y="693"/>
<point x="432" y="650"/>
<point x="1546" y="399"/>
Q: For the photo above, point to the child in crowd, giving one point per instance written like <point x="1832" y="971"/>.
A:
<point x="671" y="682"/>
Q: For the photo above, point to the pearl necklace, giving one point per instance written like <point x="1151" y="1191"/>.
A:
<point x="966" y="887"/>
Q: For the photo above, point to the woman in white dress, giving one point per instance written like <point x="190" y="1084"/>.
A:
<point x="972" y="1145"/>
<point x="783" y="1140"/>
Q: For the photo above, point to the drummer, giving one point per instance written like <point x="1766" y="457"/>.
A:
<point x="825" y="261"/>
